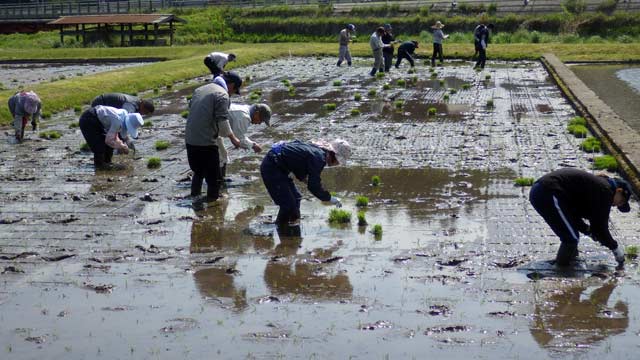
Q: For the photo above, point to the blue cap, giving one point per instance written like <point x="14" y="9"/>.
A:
<point x="351" y="27"/>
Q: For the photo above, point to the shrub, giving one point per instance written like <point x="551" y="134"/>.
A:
<point x="375" y="180"/>
<point x="330" y="106"/>
<point x="524" y="181"/>
<point x="337" y="83"/>
<point x="372" y="92"/>
<point x="492" y="9"/>
<point x="362" y="220"/>
<point x="432" y="111"/>
<point x="591" y="145"/>
<point x="579" y="131"/>
<point x="154" y="162"/>
<point x="148" y="123"/>
<point x="357" y="97"/>
<point x="162" y="144"/>
<point x="362" y="201"/>
<point x="607" y="6"/>
<point x="377" y="230"/>
<point x="185" y="114"/>
<point x="575" y="7"/>
<point x="339" y="216"/>
<point x="355" y="112"/>
<point x="603" y="162"/>
<point x="401" y="82"/>
<point x="50" y="135"/>
<point x="84" y="147"/>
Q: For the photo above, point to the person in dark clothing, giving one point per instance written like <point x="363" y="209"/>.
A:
<point x="405" y="50"/>
<point x="481" y="36"/>
<point x="132" y="104"/>
<point x="567" y="196"/>
<point x="304" y="161"/>
<point x="387" y="52"/>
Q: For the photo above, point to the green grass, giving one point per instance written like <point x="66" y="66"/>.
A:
<point x="605" y="162"/>
<point x="154" y="162"/>
<point x="162" y="144"/>
<point x="432" y="111"/>
<point x="184" y="114"/>
<point x="355" y="112"/>
<point x="362" y="201"/>
<point x="337" y="82"/>
<point x="524" y="181"/>
<point x="362" y="219"/>
<point x="84" y="147"/>
<point x="50" y="135"/>
<point x="579" y="131"/>
<point x="339" y="216"/>
<point x="377" y="230"/>
<point x="149" y="123"/>
<point x="490" y="103"/>
<point x="357" y="97"/>
<point x="401" y="82"/>
<point x="375" y="180"/>
<point x="372" y="92"/>
<point x="330" y="106"/>
<point x="591" y="145"/>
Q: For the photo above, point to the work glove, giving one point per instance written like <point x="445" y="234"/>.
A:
<point x="619" y="255"/>
<point x="131" y="146"/>
<point x="335" y="201"/>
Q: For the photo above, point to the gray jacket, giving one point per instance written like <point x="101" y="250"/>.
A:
<point x="208" y="116"/>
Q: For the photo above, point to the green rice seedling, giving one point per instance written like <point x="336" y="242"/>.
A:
<point x="362" y="201"/>
<point x="62" y="77"/>
<point x="445" y="97"/>
<point x="434" y="75"/>
<point x="386" y="86"/>
<point x="258" y="91"/>
<point x="478" y="69"/>
<point x="466" y="86"/>
<point x="77" y="109"/>
<point x="591" y="145"/>
<point x="189" y="97"/>
<point x="380" y="75"/>
<point x="286" y="82"/>
<point x="337" y="82"/>
<point x="330" y="106"/>
<point x="339" y="216"/>
<point x="441" y="82"/>
<point x="254" y="97"/>
<point x="399" y="104"/>
<point x="84" y="147"/>
<point x="247" y="79"/>
<point x="372" y="92"/>
<point x="50" y="135"/>
<point x="148" y="123"/>
<point x="411" y="71"/>
<point x="414" y="79"/>
<point x="16" y="80"/>
<point x="375" y="180"/>
<point x="362" y="219"/>
<point x="452" y="91"/>
<point x="578" y="120"/>
<point x="377" y="230"/>
<point x="355" y="112"/>
<point x="432" y="70"/>
<point x="185" y="114"/>
<point x="168" y="86"/>
<point x="292" y="90"/>
<point x="487" y="77"/>
<point x="579" y="131"/>
<point x="603" y="162"/>
<point x="156" y="90"/>
<point x="401" y="82"/>
<point x="524" y="181"/>
<point x="432" y="111"/>
<point x="74" y="125"/>
<point x="490" y="103"/>
<point x="154" y="162"/>
<point x="630" y="251"/>
<point x="46" y="114"/>
<point x="357" y="97"/>
<point x="162" y="144"/>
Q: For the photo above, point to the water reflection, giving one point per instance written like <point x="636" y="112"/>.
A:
<point x="578" y="317"/>
<point x="218" y="283"/>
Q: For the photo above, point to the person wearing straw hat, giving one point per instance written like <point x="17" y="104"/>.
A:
<point x="24" y="105"/>
<point x="106" y="128"/>
<point x="438" y="37"/>
<point x="567" y="196"/>
<point x="304" y="161"/>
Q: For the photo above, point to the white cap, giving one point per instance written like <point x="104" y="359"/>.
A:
<point x="342" y="149"/>
<point x="133" y="122"/>
<point x="31" y="101"/>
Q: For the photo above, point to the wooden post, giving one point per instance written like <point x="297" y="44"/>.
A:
<point x="155" y="33"/>
<point x="61" y="35"/>
<point x="170" y="33"/>
<point x="84" y="36"/>
<point x="146" y="33"/>
<point x="122" y="35"/>
<point x="130" y="34"/>
<point x="77" y="32"/>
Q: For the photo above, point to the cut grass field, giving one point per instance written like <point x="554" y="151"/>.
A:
<point x="185" y="62"/>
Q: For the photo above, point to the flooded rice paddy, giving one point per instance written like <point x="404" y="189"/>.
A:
<point x="120" y="265"/>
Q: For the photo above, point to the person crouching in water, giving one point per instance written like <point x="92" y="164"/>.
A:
<point x="24" y="105"/>
<point x="106" y="128"/>
<point x="567" y="196"/>
<point x="304" y="161"/>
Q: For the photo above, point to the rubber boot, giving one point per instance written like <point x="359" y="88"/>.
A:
<point x="567" y="254"/>
<point x="340" y="63"/>
<point x="196" y="185"/>
<point x="349" y="63"/>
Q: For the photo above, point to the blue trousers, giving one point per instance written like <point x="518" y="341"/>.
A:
<point x="281" y="188"/>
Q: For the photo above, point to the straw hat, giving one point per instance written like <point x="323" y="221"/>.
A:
<point x="438" y="25"/>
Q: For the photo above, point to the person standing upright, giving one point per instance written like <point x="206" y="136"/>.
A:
<point x="216" y="61"/>
<point x="481" y="36"/>
<point x="346" y="36"/>
<point x="387" y="52"/>
<point x="376" y="46"/>
<point x="405" y="50"/>
<point x="438" y="37"/>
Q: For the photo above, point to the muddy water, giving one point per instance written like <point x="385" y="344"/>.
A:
<point x="460" y="270"/>
<point x="14" y="76"/>
<point x="618" y="86"/>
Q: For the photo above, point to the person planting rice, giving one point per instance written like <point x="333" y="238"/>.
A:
<point x="216" y="61"/>
<point x="24" y="105"/>
<point x="106" y="128"/>
<point x="405" y="50"/>
<point x="567" y="196"/>
<point x="304" y="161"/>
<point x="132" y="104"/>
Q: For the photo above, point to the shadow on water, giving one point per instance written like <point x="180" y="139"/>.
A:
<point x="219" y="283"/>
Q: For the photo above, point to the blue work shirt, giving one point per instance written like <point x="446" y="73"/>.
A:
<point x="306" y="161"/>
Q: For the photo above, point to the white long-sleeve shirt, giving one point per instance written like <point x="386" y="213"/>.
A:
<point x="219" y="58"/>
<point x="239" y="120"/>
<point x="376" y="42"/>
<point x="113" y="120"/>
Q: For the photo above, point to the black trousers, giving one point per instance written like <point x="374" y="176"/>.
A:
<point x="437" y="52"/>
<point x="482" y="56"/>
<point x="388" y="60"/>
<point x="204" y="161"/>
<point x="215" y="70"/>
<point x="402" y="54"/>
<point x="94" y="134"/>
